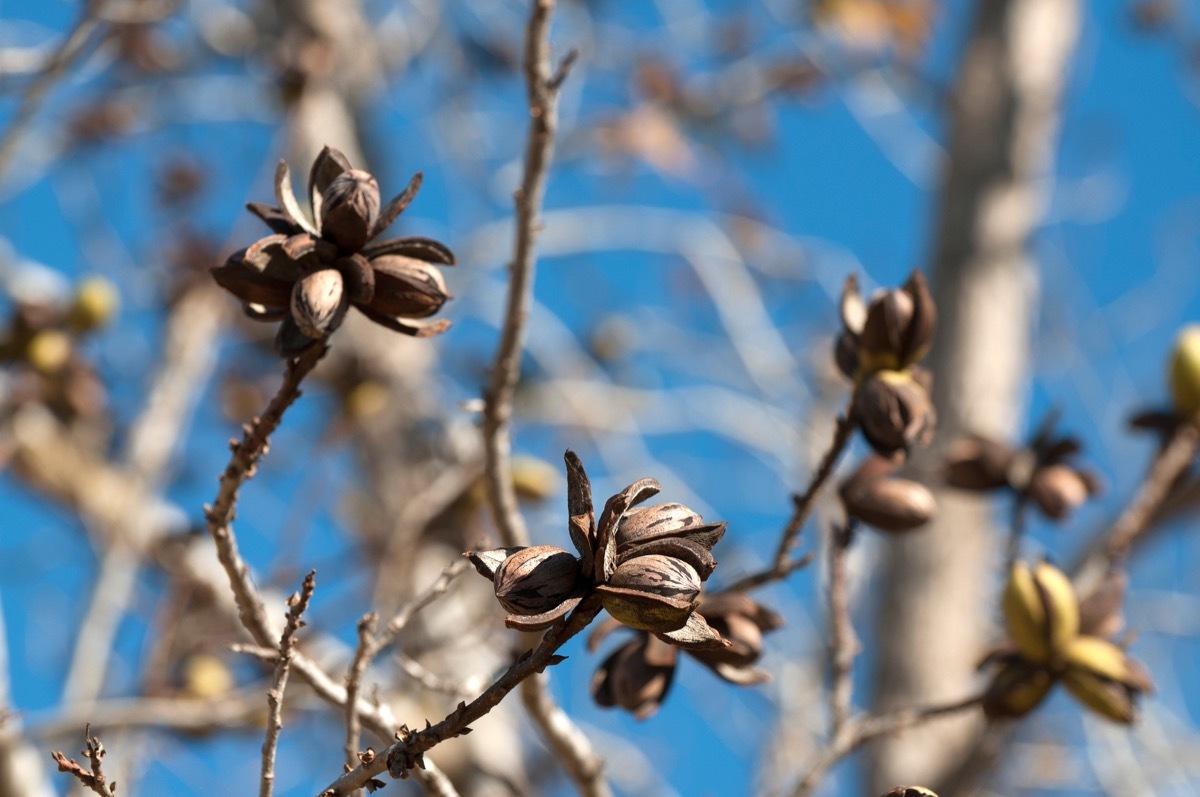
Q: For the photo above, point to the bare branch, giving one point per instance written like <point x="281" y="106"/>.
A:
<point x="408" y="752"/>
<point x="95" y="779"/>
<point x="872" y="727"/>
<point x="1170" y="463"/>
<point x="542" y="89"/>
<point x="1149" y="506"/>
<point x="183" y="714"/>
<point x="297" y="604"/>
<point x="242" y="466"/>
<point x="858" y="732"/>
<point x="362" y="657"/>
<point x="568" y="742"/>
<point x="784" y="563"/>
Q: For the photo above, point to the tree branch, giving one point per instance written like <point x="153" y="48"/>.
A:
<point x="858" y="732"/>
<point x="297" y="604"/>
<point x="362" y="658"/>
<point x="542" y="86"/>
<point x="1170" y="463"/>
<point x="542" y="91"/>
<point x="242" y="465"/>
<point x="408" y="752"/>
<point x="95" y="779"/>
<point x="570" y="745"/>
<point x="784" y="564"/>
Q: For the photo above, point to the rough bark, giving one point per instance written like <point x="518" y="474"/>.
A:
<point x="938" y="593"/>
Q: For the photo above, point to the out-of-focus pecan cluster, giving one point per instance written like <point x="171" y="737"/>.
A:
<point x="880" y="347"/>
<point x="1055" y="637"/>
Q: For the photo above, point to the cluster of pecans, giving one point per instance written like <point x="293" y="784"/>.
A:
<point x="647" y="566"/>
<point x="310" y="270"/>
<point x="1055" y="637"/>
<point x="880" y="347"/>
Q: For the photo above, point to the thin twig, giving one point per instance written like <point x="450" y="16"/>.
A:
<point x="858" y="732"/>
<point x="843" y="644"/>
<point x="370" y="643"/>
<point x="872" y="727"/>
<point x="297" y="604"/>
<point x="375" y="717"/>
<point x="95" y="779"/>
<point x="407" y="753"/>
<point x="1172" y="460"/>
<point x="362" y="657"/>
<point x="542" y="89"/>
<point x="242" y="465"/>
<point x="770" y="574"/>
<point x="846" y="424"/>
<point x="784" y="563"/>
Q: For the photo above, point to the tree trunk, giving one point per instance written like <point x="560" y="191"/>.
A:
<point x="938" y="597"/>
